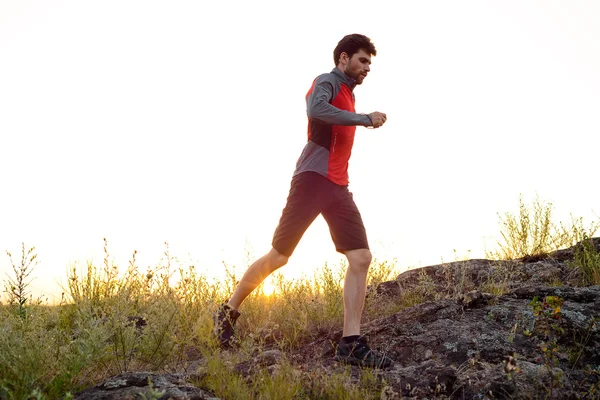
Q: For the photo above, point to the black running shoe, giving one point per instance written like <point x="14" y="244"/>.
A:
<point x="359" y="353"/>
<point x="224" y="321"/>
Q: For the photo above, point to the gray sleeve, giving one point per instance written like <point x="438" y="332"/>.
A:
<point x="318" y="106"/>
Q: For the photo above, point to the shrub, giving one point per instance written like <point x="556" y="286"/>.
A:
<point x="533" y="233"/>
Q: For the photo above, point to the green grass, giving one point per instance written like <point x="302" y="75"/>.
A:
<point x="587" y="261"/>
<point x="51" y="351"/>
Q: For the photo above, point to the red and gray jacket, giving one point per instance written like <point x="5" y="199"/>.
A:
<point x="332" y="123"/>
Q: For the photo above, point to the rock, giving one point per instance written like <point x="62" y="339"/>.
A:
<point x="489" y="348"/>
<point x="455" y="278"/>
<point x="474" y="298"/>
<point x="134" y="385"/>
<point x="461" y="342"/>
<point x="387" y="393"/>
<point x="269" y="357"/>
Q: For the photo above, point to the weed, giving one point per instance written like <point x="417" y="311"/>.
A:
<point x="340" y="385"/>
<point x="222" y="381"/>
<point x="498" y="281"/>
<point x="283" y="383"/>
<point x="533" y="233"/>
<point x="587" y="260"/>
<point x="457" y="276"/>
<point x="576" y="352"/>
<point x="17" y="288"/>
<point x="153" y="394"/>
<point x="548" y="324"/>
<point x="113" y="320"/>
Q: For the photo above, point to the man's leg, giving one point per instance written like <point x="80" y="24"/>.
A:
<point x="353" y="348"/>
<point x="350" y="238"/>
<point x="355" y="289"/>
<point x="255" y="274"/>
<point x="301" y="209"/>
<point x="227" y="314"/>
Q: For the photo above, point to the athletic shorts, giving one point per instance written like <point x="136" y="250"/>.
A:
<point x="312" y="194"/>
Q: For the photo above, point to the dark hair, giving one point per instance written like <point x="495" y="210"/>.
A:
<point x="351" y="44"/>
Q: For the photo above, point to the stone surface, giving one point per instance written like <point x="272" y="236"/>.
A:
<point x="464" y="343"/>
<point x="134" y="385"/>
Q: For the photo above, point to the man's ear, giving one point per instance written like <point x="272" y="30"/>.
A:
<point x="344" y="58"/>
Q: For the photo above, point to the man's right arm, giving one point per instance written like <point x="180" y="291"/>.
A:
<point x="319" y="107"/>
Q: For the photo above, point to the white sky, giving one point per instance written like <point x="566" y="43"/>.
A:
<point x="147" y="121"/>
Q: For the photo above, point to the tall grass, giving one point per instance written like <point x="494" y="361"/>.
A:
<point x="587" y="260"/>
<point x="113" y="320"/>
<point x="16" y="287"/>
<point x="533" y="232"/>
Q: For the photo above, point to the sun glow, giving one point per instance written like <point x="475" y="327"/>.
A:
<point x="268" y="287"/>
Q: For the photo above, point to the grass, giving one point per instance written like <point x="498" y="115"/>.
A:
<point x="587" y="260"/>
<point x="532" y="232"/>
<point x="17" y="288"/>
<point x="113" y="320"/>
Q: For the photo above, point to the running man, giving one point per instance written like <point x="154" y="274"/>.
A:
<point x="320" y="186"/>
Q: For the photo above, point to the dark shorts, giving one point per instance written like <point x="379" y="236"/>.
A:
<point x="312" y="194"/>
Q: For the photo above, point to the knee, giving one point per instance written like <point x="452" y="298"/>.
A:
<point x="276" y="259"/>
<point x="359" y="259"/>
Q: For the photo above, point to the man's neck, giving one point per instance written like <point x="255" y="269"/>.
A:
<point x="351" y="82"/>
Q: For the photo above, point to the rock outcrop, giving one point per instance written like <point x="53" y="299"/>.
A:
<point x="492" y="347"/>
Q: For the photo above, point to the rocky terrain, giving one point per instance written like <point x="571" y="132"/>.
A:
<point x="519" y="329"/>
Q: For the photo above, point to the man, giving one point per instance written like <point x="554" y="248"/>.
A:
<point x="320" y="186"/>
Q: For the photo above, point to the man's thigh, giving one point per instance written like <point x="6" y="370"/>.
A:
<point x="304" y="204"/>
<point x="345" y="223"/>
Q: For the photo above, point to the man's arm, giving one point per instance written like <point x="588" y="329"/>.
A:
<point x="318" y="107"/>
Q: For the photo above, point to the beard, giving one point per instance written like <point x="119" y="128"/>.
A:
<point x="354" y="75"/>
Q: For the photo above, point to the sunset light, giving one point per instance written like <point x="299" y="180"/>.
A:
<point x="144" y="122"/>
<point x="299" y="200"/>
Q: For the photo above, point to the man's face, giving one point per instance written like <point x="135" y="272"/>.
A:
<point x="358" y="66"/>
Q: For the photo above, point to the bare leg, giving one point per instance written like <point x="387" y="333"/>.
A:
<point x="255" y="274"/>
<point x="355" y="289"/>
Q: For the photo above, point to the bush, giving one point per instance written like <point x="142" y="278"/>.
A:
<point x="533" y="233"/>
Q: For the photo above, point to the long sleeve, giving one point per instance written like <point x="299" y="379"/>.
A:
<point x="319" y="107"/>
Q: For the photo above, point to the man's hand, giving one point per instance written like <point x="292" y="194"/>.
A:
<point x="378" y="118"/>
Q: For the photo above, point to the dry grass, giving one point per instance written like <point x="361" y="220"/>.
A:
<point x="532" y="232"/>
<point x="111" y="322"/>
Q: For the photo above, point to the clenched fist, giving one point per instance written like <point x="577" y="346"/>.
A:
<point x="378" y="118"/>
